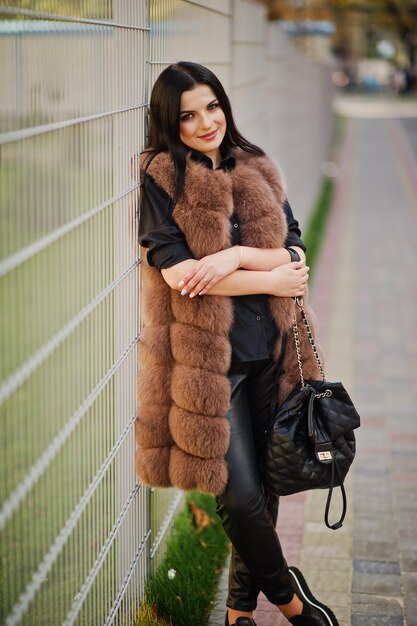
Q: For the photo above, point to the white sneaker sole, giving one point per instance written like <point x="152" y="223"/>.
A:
<point x="306" y="595"/>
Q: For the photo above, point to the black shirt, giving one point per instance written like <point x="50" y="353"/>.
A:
<point x="254" y="333"/>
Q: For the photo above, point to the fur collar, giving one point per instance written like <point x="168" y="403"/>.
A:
<point x="254" y="189"/>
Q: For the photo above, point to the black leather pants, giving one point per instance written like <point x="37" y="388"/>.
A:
<point x="248" y="513"/>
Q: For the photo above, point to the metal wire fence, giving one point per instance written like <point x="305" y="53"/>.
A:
<point x="79" y="536"/>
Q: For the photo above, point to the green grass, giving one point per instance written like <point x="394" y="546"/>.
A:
<point x="148" y="617"/>
<point x="316" y="228"/>
<point x="195" y="557"/>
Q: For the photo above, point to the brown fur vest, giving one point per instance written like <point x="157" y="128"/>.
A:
<point x="183" y="391"/>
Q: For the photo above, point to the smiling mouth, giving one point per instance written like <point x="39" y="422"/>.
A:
<point x="209" y="136"/>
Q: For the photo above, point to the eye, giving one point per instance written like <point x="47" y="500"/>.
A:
<point x="187" y="116"/>
<point x="213" y="105"/>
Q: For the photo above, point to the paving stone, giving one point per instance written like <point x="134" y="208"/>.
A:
<point x="218" y="612"/>
<point x="376" y="583"/>
<point x="327" y="579"/>
<point x="381" y="523"/>
<point x="316" y="505"/>
<point x="363" y="603"/>
<point x="408" y="540"/>
<point x="323" y="552"/>
<point x="373" y="496"/>
<point x="342" y="614"/>
<point x="368" y="504"/>
<point x="410" y="598"/>
<point x="319" y="528"/>
<point x="333" y="599"/>
<point x="409" y="560"/>
<point x="410" y="583"/>
<point x="375" y="550"/>
<point x="374" y="535"/>
<point x="410" y="607"/>
<point x="331" y="565"/>
<point x="376" y="620"/>
<point x="268" y="617"/>
<point x="377" y="567"/>
<point x="328" y="539"/>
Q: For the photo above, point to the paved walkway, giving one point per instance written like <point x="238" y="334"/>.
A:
<point x="365" y="297"/>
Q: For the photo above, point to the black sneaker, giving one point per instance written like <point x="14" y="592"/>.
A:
<point x="241" y="621"/>
<point x="314" y="612"/>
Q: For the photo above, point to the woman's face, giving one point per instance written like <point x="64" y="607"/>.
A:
<point x="202" y="121"/>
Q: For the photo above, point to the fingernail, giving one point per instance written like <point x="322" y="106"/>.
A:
<point x="192" y="294"/>
<point x="201" y="293"/>
<point x="184" y="292"/>
<point x="180" y="284"/>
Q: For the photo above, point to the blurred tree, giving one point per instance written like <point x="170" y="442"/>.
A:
<point x="359" y="24"/>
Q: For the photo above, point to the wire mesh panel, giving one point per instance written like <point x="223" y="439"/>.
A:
<point x="75" y="532"/>
<point x="191" y="31"/>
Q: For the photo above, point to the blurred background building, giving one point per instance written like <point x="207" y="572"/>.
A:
<point x="374" y="42"/>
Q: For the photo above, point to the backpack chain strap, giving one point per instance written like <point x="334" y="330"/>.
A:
<point x="299" y="303"/>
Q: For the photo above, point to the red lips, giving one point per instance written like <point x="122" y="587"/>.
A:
<point x="209" y="136"/>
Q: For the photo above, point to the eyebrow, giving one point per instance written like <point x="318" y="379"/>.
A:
<point x="208" y="104"/>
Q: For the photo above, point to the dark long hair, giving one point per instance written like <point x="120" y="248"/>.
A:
<point x="164" y="117"/>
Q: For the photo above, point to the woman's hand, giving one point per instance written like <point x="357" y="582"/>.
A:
<point x="209" y="270"/>
<point x="290" y="280"/>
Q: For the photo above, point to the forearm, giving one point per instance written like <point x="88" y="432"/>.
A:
<point x="287" y="280"/>
<point x="243" y="283"/>
<point x="261" y="259"/>
<point x="237" y="283"/>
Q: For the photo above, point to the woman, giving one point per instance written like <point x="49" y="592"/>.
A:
<point x="224" y="261"/>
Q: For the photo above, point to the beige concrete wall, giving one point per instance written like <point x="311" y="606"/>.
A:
<point x="282" y="101"/>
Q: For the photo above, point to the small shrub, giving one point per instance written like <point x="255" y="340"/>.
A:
<point x="182" y="592"/>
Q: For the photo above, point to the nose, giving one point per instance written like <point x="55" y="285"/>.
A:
<point x="205" y="121"/>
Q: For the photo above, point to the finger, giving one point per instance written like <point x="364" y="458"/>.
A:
<point x="301" y="269"/>
<point x="211" y="284"/>
<point x="200" y="286"/>
<point x="206" y="286"/>
<point x="194" y="280"/>
<point x="187" y="277"/>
